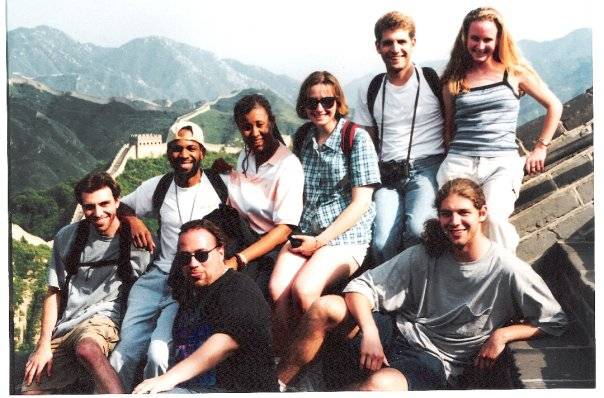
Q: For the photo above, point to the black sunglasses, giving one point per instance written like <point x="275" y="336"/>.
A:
<point x="184" y="258"/>
<point x="312" y="103"/>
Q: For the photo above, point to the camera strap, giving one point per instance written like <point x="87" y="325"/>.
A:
<point x="412" y="120"/>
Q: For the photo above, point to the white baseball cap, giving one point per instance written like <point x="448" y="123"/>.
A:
<point x="176" y="132"/>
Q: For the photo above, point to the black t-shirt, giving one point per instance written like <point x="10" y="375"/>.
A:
<point x="232" y="305"/>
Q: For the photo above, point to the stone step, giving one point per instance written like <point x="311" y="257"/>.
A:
<point x="547" y="230"/>
<point x="567" y="361"/>
<point x="554" y="206"/>
<point x="555" y="178"/>
<point x="569" y="270"/>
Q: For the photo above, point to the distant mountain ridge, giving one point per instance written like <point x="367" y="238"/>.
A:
<point x="149" y="68"/>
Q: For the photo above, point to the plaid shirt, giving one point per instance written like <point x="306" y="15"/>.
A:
<point x="328" y="183"/>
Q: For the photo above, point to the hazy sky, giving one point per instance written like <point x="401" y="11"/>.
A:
<point x="291" y="37"/>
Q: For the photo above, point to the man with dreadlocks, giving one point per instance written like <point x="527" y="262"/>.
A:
<point x="89" y="274"/>
<point x="424" y="316"/>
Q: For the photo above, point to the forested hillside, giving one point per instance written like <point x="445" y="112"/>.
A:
<point x="28" y="270"/>
<point x="54" y="137"/>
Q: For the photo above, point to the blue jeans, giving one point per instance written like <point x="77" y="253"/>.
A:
<point x="402" y="211"/>
<point x="146" y="329"/>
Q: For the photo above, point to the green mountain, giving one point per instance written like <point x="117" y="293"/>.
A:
<point x="54" y="136"/>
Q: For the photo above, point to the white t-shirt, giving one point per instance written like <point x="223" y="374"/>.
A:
<point x="193" y="203"/>
<point x="428" y="133"/>
<point x="270" y="196"/>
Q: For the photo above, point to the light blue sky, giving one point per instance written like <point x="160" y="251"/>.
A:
<point x="291" y="37"/>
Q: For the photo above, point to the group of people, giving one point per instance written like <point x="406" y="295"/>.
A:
<point x="422" y="183"/>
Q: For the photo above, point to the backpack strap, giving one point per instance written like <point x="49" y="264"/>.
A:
<point x="349" y="130"/>
<point x="160" y="193"/>
<point x="72" y="262"/>
<point x="218" y="185"/>
<point x="372" y="92"/>
<point x="435" y="84"/>
<point x="300" y="138"/>
<point x="81" y="237"/>
<point x="124" y="267"/>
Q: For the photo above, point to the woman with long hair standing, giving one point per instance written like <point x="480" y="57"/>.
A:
<point x="482" y="85"/>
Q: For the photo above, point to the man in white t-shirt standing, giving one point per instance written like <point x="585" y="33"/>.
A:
<point x="406" y="103"/>
<point x="147" y="325"/>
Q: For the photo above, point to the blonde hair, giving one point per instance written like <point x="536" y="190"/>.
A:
<point x="506" y="51"/>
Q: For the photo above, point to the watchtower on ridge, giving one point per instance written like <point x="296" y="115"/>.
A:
<point x="148" y="145"/>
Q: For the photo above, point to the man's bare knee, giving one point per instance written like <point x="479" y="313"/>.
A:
<point x="327" y="311"/>
<point x="386" y="379"/>
<point x="88" y="350"/>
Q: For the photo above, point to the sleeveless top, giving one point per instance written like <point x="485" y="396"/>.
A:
<point x="485" y="120"/>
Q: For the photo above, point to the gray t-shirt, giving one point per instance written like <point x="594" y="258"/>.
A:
<point x="450" y="309"/>
<point x="92" y="290"/>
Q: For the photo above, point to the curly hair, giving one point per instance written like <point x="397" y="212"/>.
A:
<point x="433" y="237"/>
<point x="183" y="290"/>
<point x="94" y="181"/>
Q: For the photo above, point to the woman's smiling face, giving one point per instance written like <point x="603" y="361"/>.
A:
<point x="321" y="116"/>
<point x="482" y="40"/>
<point x="257" y="130"/>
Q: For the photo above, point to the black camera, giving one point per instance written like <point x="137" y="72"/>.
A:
<point x="394" y="173"/>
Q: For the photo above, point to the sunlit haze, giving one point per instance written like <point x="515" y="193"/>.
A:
<point x="290" y="37"/>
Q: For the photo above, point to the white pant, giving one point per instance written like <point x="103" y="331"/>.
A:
<point x="500" y="178"/>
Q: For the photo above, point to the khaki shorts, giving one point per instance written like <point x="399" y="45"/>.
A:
<point x="66" y="369"/>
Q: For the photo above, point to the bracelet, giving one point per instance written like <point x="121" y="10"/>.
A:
<point x="240" y="260"/>
<point x="317" y="245"/>
<point x="541" y="141"/>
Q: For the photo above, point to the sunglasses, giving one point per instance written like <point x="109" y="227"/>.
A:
<point x="313" y="103"/>
<point x="184" y="258"/>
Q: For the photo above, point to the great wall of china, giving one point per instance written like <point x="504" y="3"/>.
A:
<point x="555" y="219"/>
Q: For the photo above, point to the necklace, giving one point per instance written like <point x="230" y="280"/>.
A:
<point x="178" y="204"/>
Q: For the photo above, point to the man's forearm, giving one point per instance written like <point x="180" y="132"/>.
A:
<point x="360" y="308"/>
<point x="520" y="331"/>
<point x="50" y="313"/>
<point x="124" y="211"/>
<point x="213" y="351"/>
